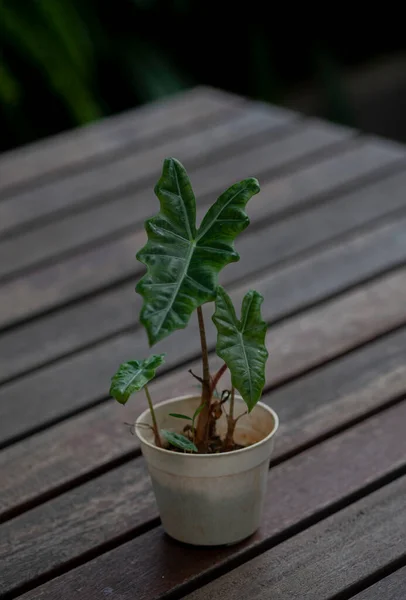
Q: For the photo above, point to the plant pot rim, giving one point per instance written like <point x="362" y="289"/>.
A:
<point x="206" y="456"/>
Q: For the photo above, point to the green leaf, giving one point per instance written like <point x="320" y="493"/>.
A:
<point x="69" y="32"/>
<point x="179" y="441"/>
<point x="180" y="416"/>
<point x="183" y="263"/>
<point x="10" y="88"/>
<point x="241" y="343"/>
<point x="133" y="375"/>
<point x="23" y="29"/>
<point x="198" y="411"/>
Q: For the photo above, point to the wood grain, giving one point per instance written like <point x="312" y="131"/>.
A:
<point x="295" y="345"/>
<point x="332" y="396"/>
<point x="131" y="171"/>
<point x="357" y="162"/>
<point x="393" y="587"/>
<point x="93" y="514"/>
<point x="153" y="565"/>
<point x="114" y="261"/>
<point x="290" y="287"/>
<point x="328" y="558"/>
<point x="115" y="218"/>
<point x="336" y="327"/>
<point x="336" y="369"/>
<point x="105" y="137"/>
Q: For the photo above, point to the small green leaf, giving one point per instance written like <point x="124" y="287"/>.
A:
<point x="183" y="263"/>
<point x="178" y="416"/>
<point x="198" y="411"/>
<point x="179" y="441"/>
<point x="241" y="343"/>
<point x="133" y="375"/>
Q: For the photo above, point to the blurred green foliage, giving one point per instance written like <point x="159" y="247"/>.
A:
<point x="64" y="63"/>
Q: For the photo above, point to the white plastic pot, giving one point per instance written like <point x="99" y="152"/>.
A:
<point x="210" y="499"/>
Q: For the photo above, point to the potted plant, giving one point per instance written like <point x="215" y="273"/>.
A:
<point x="207" y="454"/>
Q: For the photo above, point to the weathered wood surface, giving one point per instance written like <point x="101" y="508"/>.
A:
<point x="393" y="587"/>
<point x="129" y="172"/>
<point x="326" y="248"/>
<point x="99" y="140"/>
<point x="353" y="386"/>
<point x="152" y="565"/>
<point x="300" y="343"/>
<point x="130" y="210"/>
<point x="112" y="262"/>
<point x="348" y="260"/>
<point x="329" y="558"/>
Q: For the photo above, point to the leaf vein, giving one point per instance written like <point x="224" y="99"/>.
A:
<point x="214" y="220"/>
<point x="189" y="231"/>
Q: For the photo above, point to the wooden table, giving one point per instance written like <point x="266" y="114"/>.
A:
<point x="326" y="247"/>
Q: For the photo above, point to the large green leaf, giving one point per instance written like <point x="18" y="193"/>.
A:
<point x="241" y="343"/>
<point x="183" y="263"/>
<point x="133" y="375"/>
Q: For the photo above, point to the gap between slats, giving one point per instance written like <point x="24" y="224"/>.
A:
<point x="127" y="456"/>
<point x="89" y="189"/>
<point x="328" y="149"/>
<point x="67" y="301"/>
<point x="198" y="591"/>
<point x="367" y="582"/>
<point x="337" y="290"/>
<point x="210" y="119"/>
<point x="185" y="362"/>
<point x="348" y="235"/>
<point x="384" y="588"/>
<point x="206" y="103"/>
<point x="357" y="402"/>
<point x="394" y="400"/>
<point x="241" y="557"/>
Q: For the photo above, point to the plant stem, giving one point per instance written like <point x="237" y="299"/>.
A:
<point x="205" y="354"/>
<point x="231" y="423"/>
<point x="231" y="412"/>
<point x="195" y="376"/>
<point x="204" y="417"/>
<point x="154" y="423"/>
<point x="217" y="377"/>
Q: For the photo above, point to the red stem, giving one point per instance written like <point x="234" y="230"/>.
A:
<point x="203" y="420"/>
<point x="217" y="377"/>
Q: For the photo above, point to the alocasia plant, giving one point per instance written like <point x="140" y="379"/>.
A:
<point x="183" y="263"/>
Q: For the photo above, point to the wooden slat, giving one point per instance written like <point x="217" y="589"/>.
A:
<point x="133" y="170"/>
<point x="112" y="134"/>
<point x="364" y="159"/>
<point x="83" y="519"/>
<point x="88" y="373"/>
<point x="97" y="515"/>
<point x="327" y="559"/>
<point x="153" y="565"/>
<point x="363" y="380"/>
<point x="128" y="211"/>
<point x="286" y="291"/>
<point x="323" y="273"/>
<point x="392" y="587"/>
<point x="340" y="392"/>
<point x="73" y="277"/>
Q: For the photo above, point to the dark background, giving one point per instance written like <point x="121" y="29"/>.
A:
<point x="65" y="63"/>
